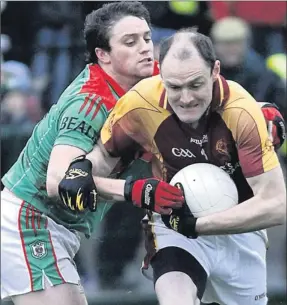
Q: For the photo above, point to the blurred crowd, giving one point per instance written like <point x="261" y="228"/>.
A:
<point x="42" y="50"/>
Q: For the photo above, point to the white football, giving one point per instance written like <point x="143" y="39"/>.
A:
<point x="207" y="188"/>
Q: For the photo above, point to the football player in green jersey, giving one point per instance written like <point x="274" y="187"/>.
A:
<point x="38" y="234"/>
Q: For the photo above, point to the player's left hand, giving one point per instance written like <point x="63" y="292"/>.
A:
<point x="77" y="189"/>
<point x="275" y="123"/>
<point x="181" y="220"/>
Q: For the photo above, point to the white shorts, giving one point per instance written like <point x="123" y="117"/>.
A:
<point x="33" y="248"/>
<point x="235" y="265"/>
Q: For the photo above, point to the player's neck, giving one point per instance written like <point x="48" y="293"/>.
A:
<point x="126" y="83"/>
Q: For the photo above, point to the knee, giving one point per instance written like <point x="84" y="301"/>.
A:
<point x="176" y="288"/>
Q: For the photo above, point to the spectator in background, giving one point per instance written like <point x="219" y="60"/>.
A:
<point x="267" y="20"/>
<point x="59" y="28"/>
<point x="241" y="63"/>
<point x="20" y="111"/>
<point x="19" y="107"/>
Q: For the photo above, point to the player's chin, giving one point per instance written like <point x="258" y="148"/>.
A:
<point x="189" y="118"/>
<point x="146" y="72"/>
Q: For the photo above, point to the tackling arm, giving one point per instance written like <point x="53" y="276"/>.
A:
<point x="103" y="165"/>
<point x="60" y="159"/>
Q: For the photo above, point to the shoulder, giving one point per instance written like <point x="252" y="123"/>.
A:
<point x="241" y="109"/>
<point x="239" y="97"/>
<point x="88" y="89"/>
<point x="145" y="95"/>
<point x="150" y="90"/>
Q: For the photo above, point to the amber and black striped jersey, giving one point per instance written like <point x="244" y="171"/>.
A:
<point x="232" y="134"/>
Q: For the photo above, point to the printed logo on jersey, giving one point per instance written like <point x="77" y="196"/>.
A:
<point x="38" y="249"/>
<point x="230" y="168"/>
<point x="221" y="147"/>
<point x="73" y="123"/>
<point x="203" y="153"/>
<point x="200" y="141"/>
<point x="182" y="153"/>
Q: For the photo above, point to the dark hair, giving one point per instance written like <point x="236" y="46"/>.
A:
<point x="201" y="42"/>
<point x="99" y="23"/>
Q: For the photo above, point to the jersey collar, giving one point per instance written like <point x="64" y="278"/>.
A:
<point x="97" y="75"/>
<point x="220" y="93"/>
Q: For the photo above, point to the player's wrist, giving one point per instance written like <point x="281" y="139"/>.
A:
<point x="128" y="187"/>
<point x="188" y="227"/>
<point x="82" y="162"/>
<point x="141" y="192"/>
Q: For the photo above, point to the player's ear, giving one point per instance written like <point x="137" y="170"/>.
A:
<point x="103" y="56"/>
<point x="216" y="70"/>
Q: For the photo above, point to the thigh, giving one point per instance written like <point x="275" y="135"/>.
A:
<point x="241" y="274"/>
<point x="158" y="236"/>
<point x="177" y="276"/>
<point x="61" y="295"/>
<point x="33" y="249"/>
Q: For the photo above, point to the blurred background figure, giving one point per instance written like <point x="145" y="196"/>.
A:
<point x="20" y="110"/>
<point x="58" y="32"/>
<point x="241" y="63"/>
<point x="267" y="20"/>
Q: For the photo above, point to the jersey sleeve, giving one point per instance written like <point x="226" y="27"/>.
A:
<point x="124" y="132"/>
<point x="80" y="123"/>
<point x="255" y="149"/>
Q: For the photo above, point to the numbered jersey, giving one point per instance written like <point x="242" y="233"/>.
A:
<point x="75" y="120"/>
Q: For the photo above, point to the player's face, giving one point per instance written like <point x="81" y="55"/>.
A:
<point x="189" y="86"/>
<point x="131" y="48"/>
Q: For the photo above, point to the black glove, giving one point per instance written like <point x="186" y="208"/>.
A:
<point x="77" y="189"/>
<point x="181" y="220"/>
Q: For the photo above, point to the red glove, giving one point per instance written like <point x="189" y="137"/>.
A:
<point x="275" y="123"/>
<point x="154" y="195"/>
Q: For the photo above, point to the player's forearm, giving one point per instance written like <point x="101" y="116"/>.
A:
<point x="110" y="189"/>
<point x="252" y="215"/>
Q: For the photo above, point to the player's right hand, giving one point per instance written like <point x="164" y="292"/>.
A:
<point x="77" y="189"/>
<point x="182" y="220"/>
<point x="154" y="195"/>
